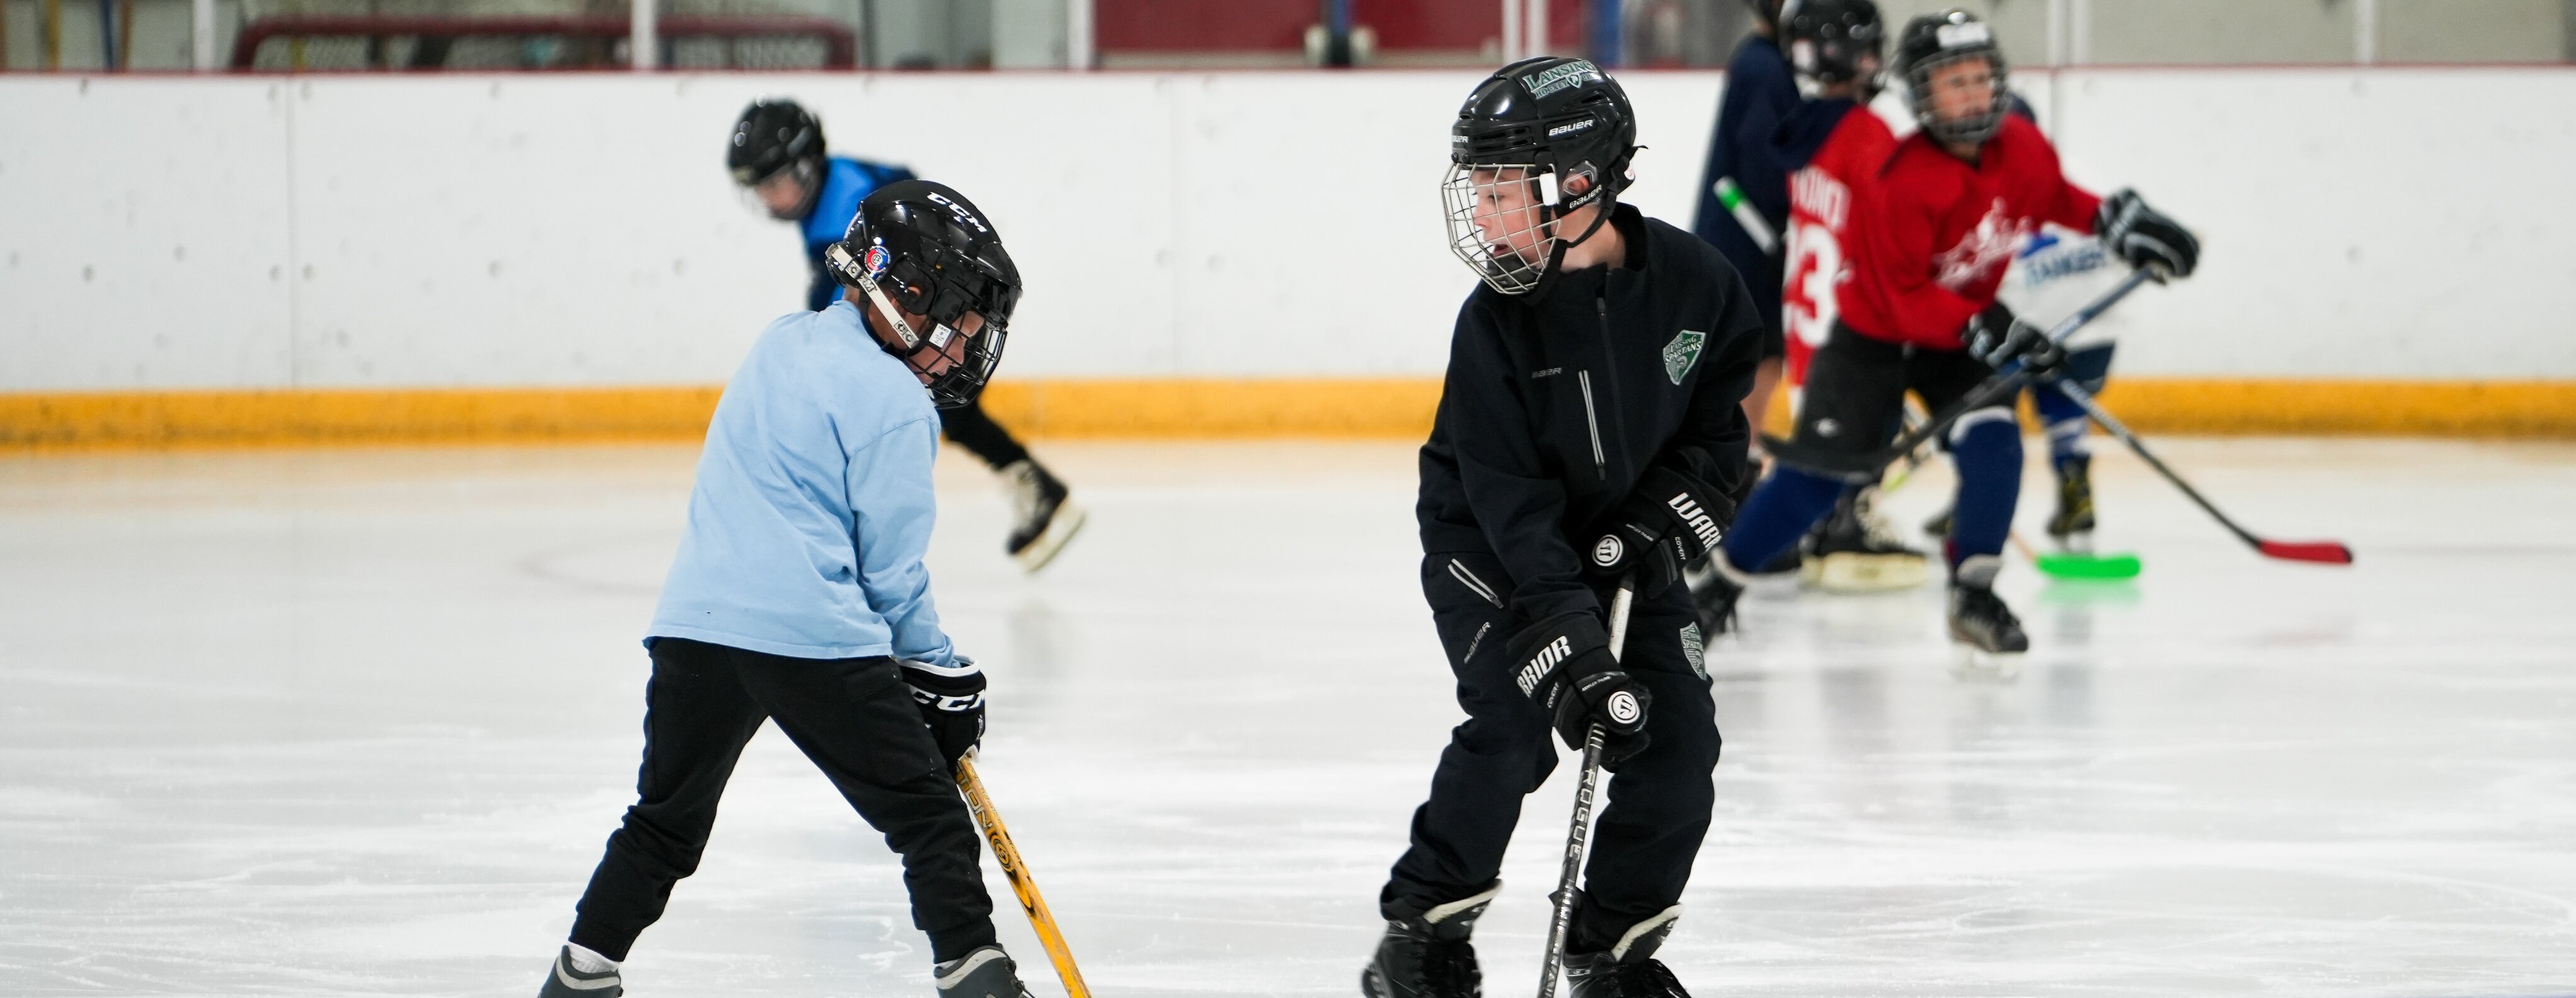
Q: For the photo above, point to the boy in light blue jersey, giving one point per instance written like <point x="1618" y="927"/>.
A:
<point x="799" y="593"/>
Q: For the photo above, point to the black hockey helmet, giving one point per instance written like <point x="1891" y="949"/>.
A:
<point x="1935" y="40"/>
<point x="1559" y="132"/>
<point x="920" y="250"/>
<point x="773" y="136"/>
<point x="1833" y="41"/>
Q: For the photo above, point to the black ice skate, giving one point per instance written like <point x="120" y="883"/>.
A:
<point x="985" y="973"/>
<point x="2072" y="526"/>
<point x="1043" y="514"/>
<point x="1629" y="968"/>
<point x="1714" y="591"/>
<point x="566" y="981"/>
<point x="1428" y="956"/>
<point x="1939" y="525"/>
<point x="1856" y="551"/>
<point x="1979" y="621"/>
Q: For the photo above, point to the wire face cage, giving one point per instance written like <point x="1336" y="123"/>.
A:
<point x="1501" y="222"/>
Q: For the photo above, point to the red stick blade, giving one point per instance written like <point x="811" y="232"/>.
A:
<point x="2322" y="552"/>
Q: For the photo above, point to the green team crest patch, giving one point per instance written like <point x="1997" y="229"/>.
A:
<point x="1682" y="352"/>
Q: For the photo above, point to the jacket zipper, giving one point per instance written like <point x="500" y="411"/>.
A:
<point x="1609" y="369"/>
<point x="1592" y="421"/>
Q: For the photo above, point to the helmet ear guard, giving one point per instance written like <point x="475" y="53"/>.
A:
<point x="927" y="261"/>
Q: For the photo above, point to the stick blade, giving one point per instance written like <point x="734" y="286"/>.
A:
<point x="2320" y="552"/>
<point x="2068" y="565"/>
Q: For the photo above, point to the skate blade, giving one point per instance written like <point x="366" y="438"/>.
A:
<point x="1845" y="572"/>
<point x="1974" y="664"/>
<point x="1060" y="528"/>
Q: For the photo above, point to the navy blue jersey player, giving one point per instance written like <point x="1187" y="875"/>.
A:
<point x="777" y="153"/>
<point x="1744" y="196"/>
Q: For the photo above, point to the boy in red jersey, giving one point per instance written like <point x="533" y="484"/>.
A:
<point x="1929" y="243"/>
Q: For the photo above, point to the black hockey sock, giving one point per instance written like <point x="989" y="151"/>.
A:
<point x="952" y="944"/>
<point x="969" y="427"/>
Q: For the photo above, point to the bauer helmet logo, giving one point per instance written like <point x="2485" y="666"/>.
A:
<point x="1579" y="71"/>
<point x="1571" y="128"/>
<point x="1624" y="708"/>
<point x="1607" y="552"/>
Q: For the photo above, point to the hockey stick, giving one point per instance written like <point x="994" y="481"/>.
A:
<point x="1580" y="835"/>
<point x="1022" y="883"/>
<point x="1868" y="467"/>
<point x="2321" y="552"/>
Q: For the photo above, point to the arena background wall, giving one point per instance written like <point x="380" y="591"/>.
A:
<point x="374" y="258"/>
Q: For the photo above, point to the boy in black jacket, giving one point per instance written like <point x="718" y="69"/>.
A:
<point x="1590" y="428"/>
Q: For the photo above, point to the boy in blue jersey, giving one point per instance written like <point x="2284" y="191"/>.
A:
<point x="777" y="154"/>
<point x="1759" y="93"/>
<point x="799" y="595"/>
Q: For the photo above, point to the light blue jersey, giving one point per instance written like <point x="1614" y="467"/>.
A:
<point x="813" y="504"/>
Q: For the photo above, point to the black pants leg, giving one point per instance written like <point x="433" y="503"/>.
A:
<point x="1659" y="802"/>
<point x="852" y="717"/>
<point x="969" y="427"/>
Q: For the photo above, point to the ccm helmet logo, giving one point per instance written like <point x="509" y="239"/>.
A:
<point x="1607" y="552"/>
<point x="1624" y="708"/>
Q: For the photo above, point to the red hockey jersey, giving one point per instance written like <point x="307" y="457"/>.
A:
<point x="1824" y="196"/>
<point x="1932" y="253"/>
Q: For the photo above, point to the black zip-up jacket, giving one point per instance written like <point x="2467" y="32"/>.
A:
<point x="1553" y="408"/>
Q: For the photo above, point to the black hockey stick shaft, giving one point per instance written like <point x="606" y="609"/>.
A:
<point x="2324" y="552"/>
<point x="1868" y="467"/>
<point x="1580" y="835"/>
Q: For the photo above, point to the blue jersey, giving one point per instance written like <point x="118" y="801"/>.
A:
<point x="1760" y="93"/>
<point x="846" y="182"/>
<point x="813" y="504"/>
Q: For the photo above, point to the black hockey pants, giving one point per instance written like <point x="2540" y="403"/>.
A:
<point x="1659" y="800"/>
<point x="853" y="717"/>
<point x="968" y="426"/>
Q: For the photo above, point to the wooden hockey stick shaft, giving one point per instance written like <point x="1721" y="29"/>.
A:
<point x="1580" y="835"/>
<point x="1022" y="883"/>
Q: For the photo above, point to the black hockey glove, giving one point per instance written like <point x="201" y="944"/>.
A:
<point x="1998" y="338"/>
<point x="1669" y="521"/>
<point x="2145" y="237"/>
<point x="1564" y="664"/>
<point x="951" y="699"/>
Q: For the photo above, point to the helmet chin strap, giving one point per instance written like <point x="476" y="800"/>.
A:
<point x="1556" y="256"/>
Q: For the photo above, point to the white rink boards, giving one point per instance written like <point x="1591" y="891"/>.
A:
<point x="322" y="722"/>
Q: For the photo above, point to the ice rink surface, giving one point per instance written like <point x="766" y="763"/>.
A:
<point x="358" y="722"/>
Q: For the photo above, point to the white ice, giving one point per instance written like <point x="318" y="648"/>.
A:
<point x="309" y="723"/>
